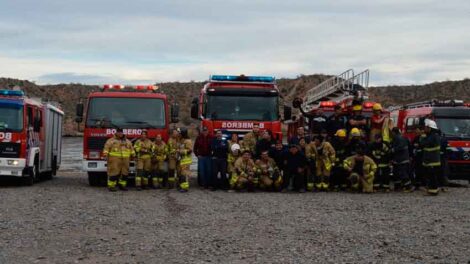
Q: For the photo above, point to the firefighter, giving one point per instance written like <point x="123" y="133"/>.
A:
<point x="401" y="159"/>
<point x="336" y="121"/>
<point x="361" y="170"/>
<point x="418" y="157"/>
<point x="311" y="157"/>
<point x="250" y="139"/>
<point x="268" y="172"/>
<point x="379" y="124"/>
<point x="172" y="146"/>
<point x="118" y="150"/>
<point x="357" y="120"/>
<point x="338" y="175"/>
<point x="144" y="149"/>
<point x="431" y="146"/>
<point x="325" y="159"/>
<point x="233" y="156"/>
<point x="295" y="165"/>
<point x="184" y="152"/>
<point x="380" y="152"/>
<point x="354" y="142"/>
<point x="244" y="175"/>
<point x="160" y="154"/>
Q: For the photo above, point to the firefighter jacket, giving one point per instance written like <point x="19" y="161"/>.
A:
<point x="160" y="151"/>
<point x="121" y="148"/>
<point x="431" y="145"/>
<point x="244" y="168"/>
<point x="184" y="150"/>
<point x="368" y="169"/>
<point x="266" y="168"/>
<point x="325" y="154"/>
<point x="143" y="148"/>
<point x="381" y="153"/>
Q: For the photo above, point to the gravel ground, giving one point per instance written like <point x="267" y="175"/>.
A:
<point x="66" y="221"/>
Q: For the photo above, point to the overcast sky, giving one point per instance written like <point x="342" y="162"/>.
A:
<point x="142" y="41"/>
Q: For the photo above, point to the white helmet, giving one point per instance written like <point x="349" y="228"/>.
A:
<point x="235" y="147"/>
<point x="430" y="123"/>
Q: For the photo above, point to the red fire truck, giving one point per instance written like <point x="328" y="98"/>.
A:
<point x="344" y="89"/>
<point x="452" y="118"/>
<point x="132" y="108"/>
<point x="30" y="137"/>
<point x="234" y="103"/>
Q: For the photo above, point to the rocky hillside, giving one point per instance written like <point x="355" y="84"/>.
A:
<point x="69" y="94"/>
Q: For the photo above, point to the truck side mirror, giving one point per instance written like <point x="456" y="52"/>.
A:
<point x="287" y="113"/>
<point x="194" y="108"/>
<point x="175" y="110"/>
<point x="79" y="113"/>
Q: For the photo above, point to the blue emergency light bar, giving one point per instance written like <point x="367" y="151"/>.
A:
<point x="242" y="78"/>
<point x="12" y="93"/>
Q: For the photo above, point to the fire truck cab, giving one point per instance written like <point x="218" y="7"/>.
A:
<point x="132" y="108"/>
<point x="30" y="137"/>
<point x="234" y="103"/>
<point x="453" y="120"/>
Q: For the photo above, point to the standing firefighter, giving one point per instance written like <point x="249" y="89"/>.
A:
<point x="172" y="158"/>
<point x="381" y="153"/>
<point x="338" y="176"/>
<point x="143" y="148"/>
<point x="431" y="146"/>
<point x="361" y="171"/>
<point x="160" y="153"/>
<point x="118" y="151"/>
<point x="184" y="152"/>
<point x="325" y="159"/>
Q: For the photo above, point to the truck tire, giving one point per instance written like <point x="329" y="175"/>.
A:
<point x="33" y="173"/>
<point x="94" y="179"/>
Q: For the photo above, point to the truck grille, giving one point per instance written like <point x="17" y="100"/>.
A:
<point x="96" y="143"/>
<point x="10" y="150"/>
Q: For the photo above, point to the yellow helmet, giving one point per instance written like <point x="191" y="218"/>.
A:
<point x="341" y="133"/>
<point x="357" y="108"/>
<point x="355" y="132"/>
<point x="377" y="107"/>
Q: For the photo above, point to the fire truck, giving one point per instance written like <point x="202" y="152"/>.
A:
<point x="132" y="108"/>
<point x="234" y="103"/>
<point x="346" y="89"/>
<point x="30" y="137"/>
<point x="452" y="118"/>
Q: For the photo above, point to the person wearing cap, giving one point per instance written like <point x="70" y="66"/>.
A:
<point x="244" y="175"/>
<point x="250" y="139"/>
<point x="325" y="159"/>
<point x="184" y="151"/>
<point x="160" y="155"/>
<point x="379" y="124"/>
<point x="118" y="150"/>
<point x="295" y="165"/>
<point x="431" y="146"/>
<point x="144" y="148"/>
<point x="202" y="150"/>
<point x="401" y="159"/>
<point x="336" y="121"/>
<point x="361" y="170"/>
<point x="380" y="152"/>
<point x="338" y="176"/>
<point x="268" y="173"/>
<point x="173" y="158"/>
<point x="357" y="120"/>
<point x="219" y="153"/>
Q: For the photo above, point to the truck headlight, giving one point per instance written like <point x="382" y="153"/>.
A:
<point x="12" y="162"/>
<point x="94" y="155"/>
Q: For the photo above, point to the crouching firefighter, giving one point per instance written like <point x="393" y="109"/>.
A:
<point x="158" y="163"/>
<point x="143" y="148"/>
<point x="268" y="173"/>
<point x="361" y="171"/>
<point x="118" y="151"/>
<point x="244" y="175"/>
<point x="185" y="160"/>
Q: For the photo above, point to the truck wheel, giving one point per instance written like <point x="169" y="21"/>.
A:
<point x="94" y="179"/>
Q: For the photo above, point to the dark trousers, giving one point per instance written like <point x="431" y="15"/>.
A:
<point x="382" y="176"/>
<point x="338" y="177"/>
<point x="204" y="170"/>
<point x="432" y="176"/>
<point x="311" y="172"/>
<point x="298" y="179"/>
<point x="219" y="166"/>
<point x="402" y="173"/>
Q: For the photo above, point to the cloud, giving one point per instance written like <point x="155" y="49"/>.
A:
<point x="143" y="40"/>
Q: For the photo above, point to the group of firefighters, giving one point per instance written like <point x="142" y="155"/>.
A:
<point x="342" y="153"/>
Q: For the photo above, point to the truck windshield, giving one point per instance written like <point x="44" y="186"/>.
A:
<point x="11" y="116"/>
<point x="231" y="107"/>
<point x="126" y="113"/>
<point x="459" y="127"/>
